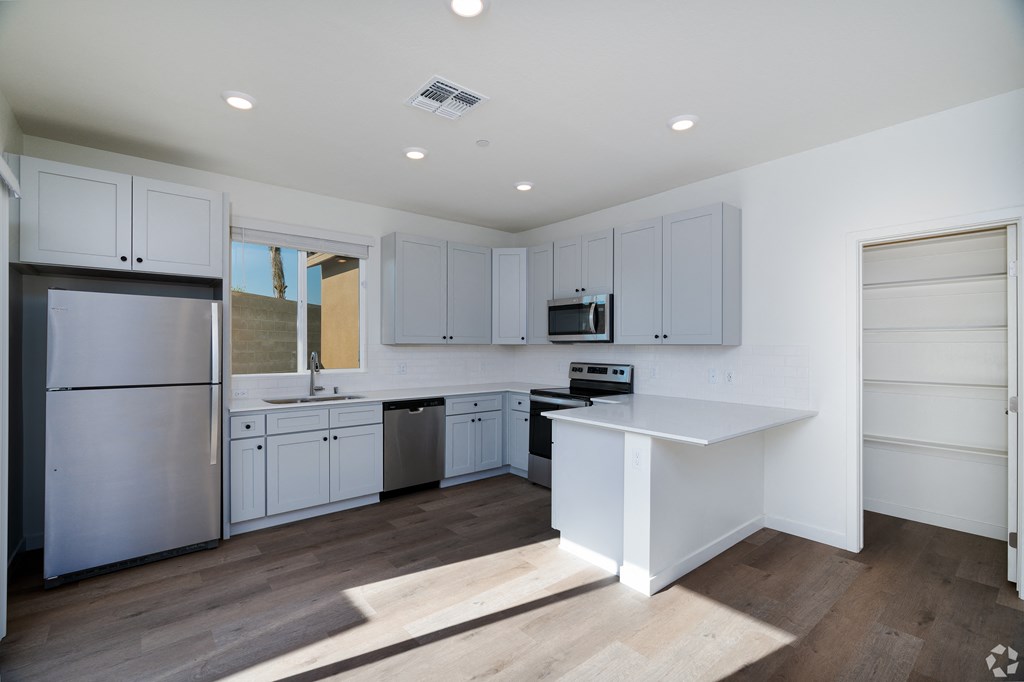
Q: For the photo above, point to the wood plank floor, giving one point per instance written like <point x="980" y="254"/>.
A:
<point x="469" y="582"/>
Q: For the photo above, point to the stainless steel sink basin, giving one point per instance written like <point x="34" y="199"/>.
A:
<point x="311" y="399"/>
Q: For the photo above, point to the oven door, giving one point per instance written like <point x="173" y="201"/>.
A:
<point x="586" y="318"/>
<point x="540" y="435"/>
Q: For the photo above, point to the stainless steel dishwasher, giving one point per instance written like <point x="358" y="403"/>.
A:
<point x="413" y="442"/>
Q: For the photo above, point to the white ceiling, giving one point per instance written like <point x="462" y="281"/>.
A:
<point x="580" y="90"/>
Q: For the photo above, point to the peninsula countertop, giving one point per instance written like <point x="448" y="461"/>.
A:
<point x="699" y="422"/>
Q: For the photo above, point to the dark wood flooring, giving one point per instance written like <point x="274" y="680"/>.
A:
<point x="469" y="582"/>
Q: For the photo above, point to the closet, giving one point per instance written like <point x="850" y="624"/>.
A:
<point x="936" y="376"/>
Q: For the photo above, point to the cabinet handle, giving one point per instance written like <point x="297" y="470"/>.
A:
<point x="259" y="447"/>
<point x="325" y="437"/>
<point x="138" y="259"/>
<point x="124" y="259"/>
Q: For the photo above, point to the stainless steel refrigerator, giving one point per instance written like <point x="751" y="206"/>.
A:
<point x="133" y="410"/>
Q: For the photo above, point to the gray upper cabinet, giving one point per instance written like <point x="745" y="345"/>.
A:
<point x="469" y="294"/>
<point x="433" y="290"/>
<point x="85" y="217"/>
<point x="677" y="279"/>
<point x="583" y="265"/>
<point x="540" y="263"/>
<point x="508" y="296"/>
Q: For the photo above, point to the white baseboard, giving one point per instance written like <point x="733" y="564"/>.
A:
<point x="704" y="554"/>
<point x="475" y="476"/>
<point x="982" y="528"/>
<point x="806" y="531"/>
<point x="590" y="556"/>
<point x="301" y="514"/>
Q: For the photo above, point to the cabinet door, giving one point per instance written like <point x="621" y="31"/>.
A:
<point x="469" y="294"/>
<point x="421" y="289"/>
<point x="357" y="461"/>
<point x="298" y="466"/>
<point x="638" y="283"/>
<point x="460" y="445"/>
<point x="75" y="216"/>
<point x="177" y="229"/>
<point x="596" y="263"/>
<point x="489" y="452"/>
<point x="692" y="258"/>
<point x="508" y="296"/>
<point x="519" y="440"/>
<point x="568" y="269"/>
<point x="248" y="479"/>
<point x="539" y="290"/>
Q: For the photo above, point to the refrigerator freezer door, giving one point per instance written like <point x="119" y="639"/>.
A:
<point x="129" y="472"/>
<point x="98" y="339"/>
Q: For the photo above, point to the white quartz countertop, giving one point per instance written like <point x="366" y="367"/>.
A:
<point x="258" y="404"/>
<point x="701" y="422"/>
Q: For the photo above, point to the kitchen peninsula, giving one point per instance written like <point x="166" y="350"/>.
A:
<point x="650" y="487"/>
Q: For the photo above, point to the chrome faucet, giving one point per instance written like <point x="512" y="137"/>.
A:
<point x="314" y="369"/>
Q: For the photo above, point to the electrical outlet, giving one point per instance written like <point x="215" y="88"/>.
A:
<point x="712" y="376"/>
<point x="636" y="459"/>
<point x="730" y="376"/>
<point x="401" y="368"/>
<point x="240" y="393"/>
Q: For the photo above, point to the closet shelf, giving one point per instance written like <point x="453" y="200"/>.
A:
<point x="942" y="384"/>
<point x="987" y="277"/>
<point x="925" y="330"/>
<point x="952" y="448"/>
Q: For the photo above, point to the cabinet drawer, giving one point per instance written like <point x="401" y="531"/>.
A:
<point x="356" y="415"/>
<point x="248" y="425"/>
<point x="465" y="404"/>
<point x="289" y="422"/>
<point x="519" y="402"/>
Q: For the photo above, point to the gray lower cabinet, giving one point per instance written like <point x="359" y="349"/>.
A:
<point x="248" y="479"/>
<point x="298" y="469"/>
<point x="356" y="462"/>
<point x="519" y="440"/>
<point x="473" y="442"/>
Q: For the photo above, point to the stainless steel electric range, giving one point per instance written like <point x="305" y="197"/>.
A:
<point x="586" y="382"/>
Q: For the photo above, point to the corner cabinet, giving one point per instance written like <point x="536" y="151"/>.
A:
<point x="434" y="292"/>
<point x="509" y="297"/>
<point x="583" y="265"/>
<point x="84" y="217"/>
<point x="677" y="279"/>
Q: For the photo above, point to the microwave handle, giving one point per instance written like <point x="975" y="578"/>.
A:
<point x="591" y="320"/>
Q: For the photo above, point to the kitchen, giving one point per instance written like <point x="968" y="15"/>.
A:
<point x="798" y="215"/>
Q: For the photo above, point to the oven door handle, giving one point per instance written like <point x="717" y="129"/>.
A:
<point x="591" y="318"/>
<point x="567" y="402"/>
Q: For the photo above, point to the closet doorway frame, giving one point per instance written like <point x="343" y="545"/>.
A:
<point x="855" y="243"/>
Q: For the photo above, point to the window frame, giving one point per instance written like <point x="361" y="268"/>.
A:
<point x="302" y="344"/>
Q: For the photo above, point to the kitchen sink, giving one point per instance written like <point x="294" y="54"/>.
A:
<point x="311" y="399"/>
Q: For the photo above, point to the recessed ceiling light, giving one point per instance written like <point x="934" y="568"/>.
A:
<point x="467" y="8"/>
<point x="524" y="186"/>
<point x="415" y="153"/>
<point x="682" y="122"/>
<point x="483" y="143"/>
<point x="239" y="100"/>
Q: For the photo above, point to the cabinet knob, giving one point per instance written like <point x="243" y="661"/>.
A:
<point x="664" y="336"/>
<point x="444" y="337"/>
<point x="325" y="437"/>
<point x="138" y="259"/>
<point x="471" y="421"/>
<point x="657" y="336"/>
<point x="248" y="426"/>
<point x="474" y="404"/>
<point x="526" y="419"/>
<point x="577" y="291"/>
<point x="259" y="447"/>
<point x="522" y="338"/>
<point x="335" y="438"/>
<point x="583" y="289"/>
<point x="124" y="259"/>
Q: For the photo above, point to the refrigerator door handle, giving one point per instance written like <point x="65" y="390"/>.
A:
<point x="215" y="342"/>
<point x="214" y="423"/>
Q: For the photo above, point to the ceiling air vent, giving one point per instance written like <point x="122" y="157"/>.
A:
<point x="444" y="98"/>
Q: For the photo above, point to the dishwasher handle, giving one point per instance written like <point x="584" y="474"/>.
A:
<point x="415" y="410"/>
<point x="413" y="406"/>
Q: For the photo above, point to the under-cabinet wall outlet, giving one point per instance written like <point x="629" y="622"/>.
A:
<point x="730" y="376"/>
<point x="636" y="459"/>
<point x="401" y="368"/>
<point x="712" y="376"/>
<point x="240" y="393"/>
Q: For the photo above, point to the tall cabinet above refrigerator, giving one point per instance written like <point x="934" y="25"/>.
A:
<point x="133" y="411"/>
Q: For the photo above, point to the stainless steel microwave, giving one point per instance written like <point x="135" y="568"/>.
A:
<point x="584" y="318"/>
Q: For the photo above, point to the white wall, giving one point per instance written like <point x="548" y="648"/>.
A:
<point x="797" y="214"/>
<point x="10" y="132"/>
